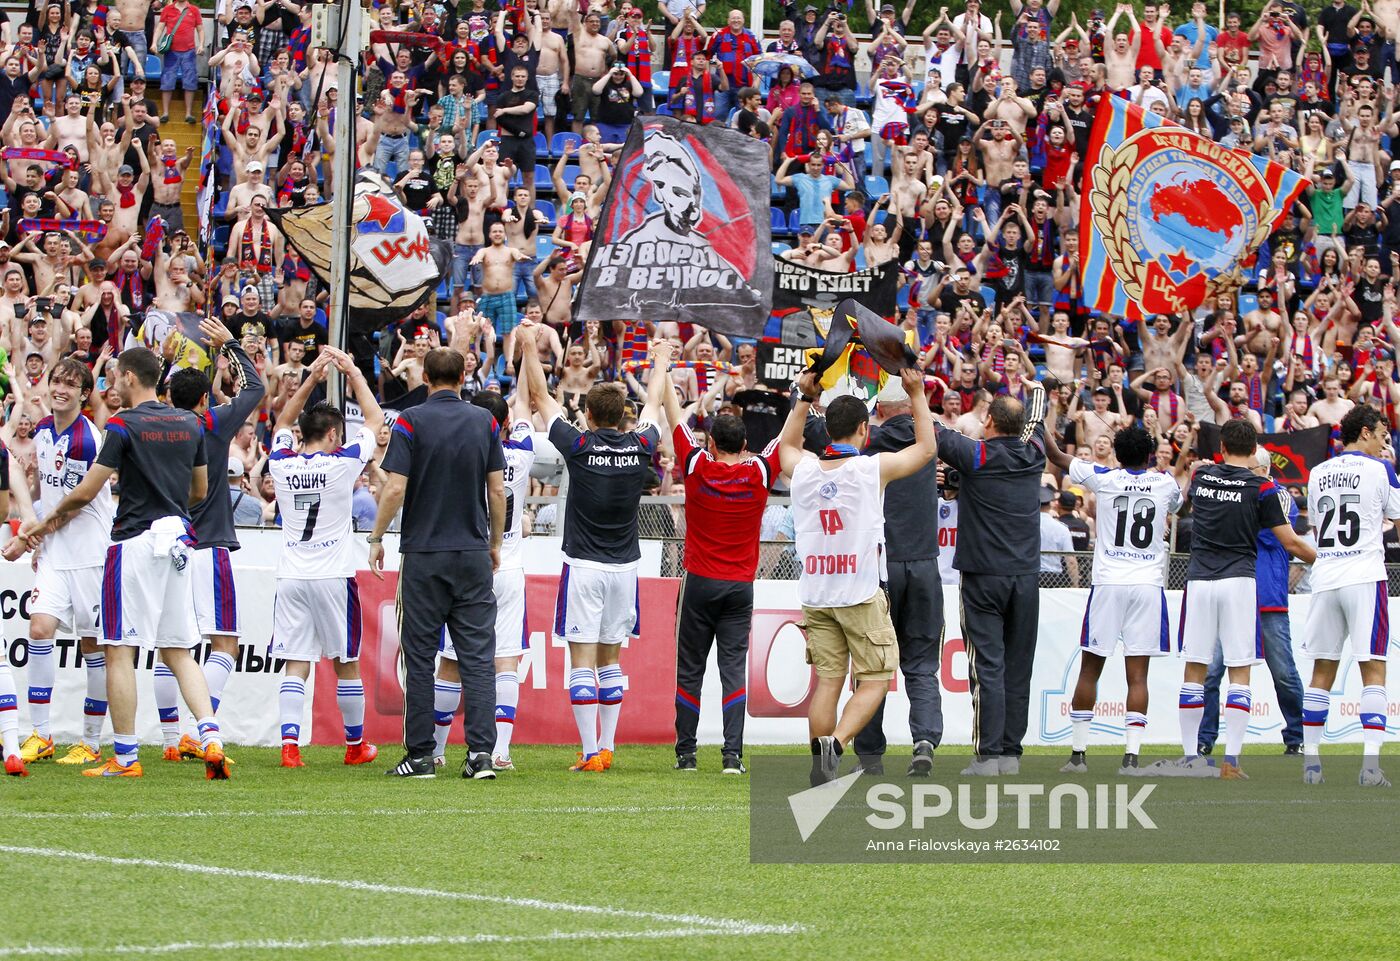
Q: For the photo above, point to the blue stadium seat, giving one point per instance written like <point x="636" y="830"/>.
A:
<point x="901" y="298"/>
<point x="778" y="223"/>
<point x="1248" y="302"/>
<point x="661" y="83"/>
<point x="220" y="205"/>
<point x="570" y="175"/>
<point x="563" y="143"/>
<point x="516" y="179"/>
<point x="779" y="249"/>
<point x="876" y="186"/>
<point x="795" y="221"/>
<point x="541" y="145"/>
<point x="663" y="110"/>
<point x="544" y="206"/>
<point x="544" y="246"/>
<point x="153" y="69"/>
<point x="219" y="241"/>
<point x="880" y="217"/>
<point x="774" y="191"/>
<point x="860" y="258"/>
<point x="444" y="290"/>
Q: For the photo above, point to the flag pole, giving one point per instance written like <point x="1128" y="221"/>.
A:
<point x="346" y="119"/>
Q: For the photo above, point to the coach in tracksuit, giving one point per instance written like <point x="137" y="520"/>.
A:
<point x="914" y="587"/>
<point x="998" y="554"/>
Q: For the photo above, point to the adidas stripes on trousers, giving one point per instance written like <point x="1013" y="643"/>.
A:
<point x="1000" y="619"/>
<point x="916" y="609"/>
<point x="451" y="589"/>
<point x="715" y="613"/>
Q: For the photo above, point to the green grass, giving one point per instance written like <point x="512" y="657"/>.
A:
<point x="641" y="838"/>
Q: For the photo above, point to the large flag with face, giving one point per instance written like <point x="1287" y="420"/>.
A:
<point x="1169" y="218"/>
<point x="684" y="232"/>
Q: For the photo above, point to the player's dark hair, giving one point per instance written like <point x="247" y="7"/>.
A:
<point x="1238" y="437"/>
<point x="316" y="422"/>
<point x="142" y="364"/>
<point x="728" y="433"/>
<point x="844" y="416"/>
<point x="188" y="387"/>
<point x="70" y="370"/>
<point x="1133" y="446"/>
<point x="494" y="404"/>
<point x="443" y="367"/>
<point x="1008" y="416"/>
<point x="605" y="405"/>
<point x="1358" y="419"/>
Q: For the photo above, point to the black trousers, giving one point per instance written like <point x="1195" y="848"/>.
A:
<point x="452" y="589"/>
<point x="916" y="608"/>
<point x="719" y="613"/>
<point x="1000" y="616"/>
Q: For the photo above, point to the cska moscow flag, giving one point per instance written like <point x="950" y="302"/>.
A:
<point x="1168" y="218"/>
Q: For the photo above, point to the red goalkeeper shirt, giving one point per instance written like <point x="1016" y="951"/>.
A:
<point x="723" y="508"/>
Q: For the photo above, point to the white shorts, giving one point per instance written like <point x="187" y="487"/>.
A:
<point x="596" y="606"/>
<point x="312" y="619"/>
<point x="215" y="597"/>
<point x="72" y="597"/>
<point x="1356" y="612"/>
<point x="512" y="632"/>
<point x="1222" y="614"/>
<point x="1135" y="614"/>
<point x="146" y="593"/>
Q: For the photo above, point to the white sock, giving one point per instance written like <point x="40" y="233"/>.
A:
<point x="1373" y="711"/>
<point x="291" y="701"/>
<point x="40" y="674"/>
<point x="447" y="697"/>
<point x="1079" y="730"/>
<point x="1238" y="702"/>
<point x="95" y="705"/>
<point x="507" y="700"/>
<point x="583" y="695"/>
<point x="350" y="697"/>
<point x="1137" y="724"/>
<point x="216" y="674"/>
<point x="1316" y="703"/>
<point x="1190" y="708"/>
<point x="168" y="704"/>
<point x="208" y="732"/>
<point x="9" y="710"/>
<point x="609" y="704"/>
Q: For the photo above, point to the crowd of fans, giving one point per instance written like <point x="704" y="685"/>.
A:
<point x="952" y="146"/>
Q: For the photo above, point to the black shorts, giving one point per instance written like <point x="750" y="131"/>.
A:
<point x="521" y="150"/>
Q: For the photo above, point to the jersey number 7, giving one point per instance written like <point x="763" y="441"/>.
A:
<point x="311" y="503"/>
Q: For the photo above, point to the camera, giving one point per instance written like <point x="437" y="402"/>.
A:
<point x="42" y="305"/>
<point x="952" y="480"/>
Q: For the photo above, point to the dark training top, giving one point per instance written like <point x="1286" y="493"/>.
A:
<point x="608" y="470"/>
<point x="213" y="517"/>
<point x="155" y="448"/>
<point x="446" y="448"/>
<point x="1229" y="507"/>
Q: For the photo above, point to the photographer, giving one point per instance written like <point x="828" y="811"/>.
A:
<point x="838" y="46"/>
<point x="618" y="94"/>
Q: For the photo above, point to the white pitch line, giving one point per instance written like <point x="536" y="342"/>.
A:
<point x="177" y="947"/>
<point x="722" y="925"/>
<point x="370" y="812"/>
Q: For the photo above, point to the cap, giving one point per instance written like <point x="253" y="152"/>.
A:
<point x="809" y="9"/>
<point x="887" y="8"/>
<point x="1327" y="173"/>
<point x="575" y="196"/>
<point x="1047" y="495"/>
<point x="235" y="467"/>
<point x="229" y="300"/>
<point x="96" y="263"/>
<point x="125" y="169"/>
<point x="1067" y="499"/>
<point x="1103" y="390"/>
<point x="805" y="232"/>
<point x="253" y="165"/>
<point x="1395" y="165"/>
<point x="1262" y="457"/>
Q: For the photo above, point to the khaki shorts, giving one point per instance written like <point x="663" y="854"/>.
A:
<point x="861" y="635"/>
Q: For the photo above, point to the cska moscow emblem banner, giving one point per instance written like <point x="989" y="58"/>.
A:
<point x="1168" y="218"/>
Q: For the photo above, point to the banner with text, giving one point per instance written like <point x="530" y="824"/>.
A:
<point x="804" y="299"/>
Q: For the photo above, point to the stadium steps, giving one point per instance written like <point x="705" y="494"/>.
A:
<point x="186" y="135"/>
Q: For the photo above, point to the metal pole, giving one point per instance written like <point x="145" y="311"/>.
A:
<point x="346" y="120"/>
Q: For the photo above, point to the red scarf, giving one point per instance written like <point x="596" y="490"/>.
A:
<point x="172" y="170"/>
<point x="701" y="106"/>
<point x="262" y="262"/>
<point x="132" y="288"/>
<point x="128" y="196"/>
<point x="1156" y="401"/>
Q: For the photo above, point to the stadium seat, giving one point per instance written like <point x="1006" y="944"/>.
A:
<point x="795" y="222"/>
<point x="776" y="192"/>
<point x="153" y="70"/>
<point x="220" y="205"/>
<point x="901" y="298"/>
<point x="444" y="290"/>
<point x="660" y="84"/>
<point x="219" y="241"/>
<point x="516" y="179"/>
<point x="880" y="217"/>
<point x="544" y="246"/>
<point x="778" y="223"/>
<point x="544" y="206"/>
<point x="875" y="187"/>
<point x="563" y="143"/>
<point x="860" y="258"/>
<point x="541" y="176"/>
<point x="779" y="249"/>
<point x="541" y="145"/>
<point x="663" y="110"/>
<point x="1248" y="302"/>
<point x="570" y="175"/>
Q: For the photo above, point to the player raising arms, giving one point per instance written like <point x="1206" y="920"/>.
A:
<point x="596" y="608"/>
<point x="147" y="600"/>
<point x="1230" y="503"/>
<point x="1349" y="498"/>
<point x="317" y="612"/>
<point x="1127" y="602"/>
<point x="68" y="570"/>
<point x="508" y="584"/>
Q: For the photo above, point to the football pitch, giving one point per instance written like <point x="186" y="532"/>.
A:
<point x="642" y="862"/>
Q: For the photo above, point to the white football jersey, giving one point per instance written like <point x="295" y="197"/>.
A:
<point x="520" y="457"/>
<point x="1131" y="546"/>
<point x="1349" y="497"/>
<point x="314" y="493"/>
<point x="838" y="517"/>
<point x="948" y="540"/>
<point x="63" y="459"/>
